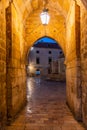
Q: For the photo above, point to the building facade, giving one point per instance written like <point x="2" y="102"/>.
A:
<point x="41" y="57"/>
<point x="58" y="69"/>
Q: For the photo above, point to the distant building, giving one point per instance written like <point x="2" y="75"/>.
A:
<point x="41" y="57"/>
<point x="58" y="69"/>
<point x="57" y="66"/>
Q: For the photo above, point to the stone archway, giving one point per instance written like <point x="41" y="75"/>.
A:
<point x="31" y="53"/>
<point x="73" y="56"/>
<point x="69" y="40"/>
<point x="33" y="30"/>
<point x="29" y="47"/>
<point x="64" y="28"/>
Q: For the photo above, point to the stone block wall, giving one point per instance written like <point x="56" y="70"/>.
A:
<point x="73" y="90"/>
<point x="13" y="51"/>
<point x="16" y="74"/>
<point x="73" y="75"/>
<point x="84" y="62"/>
<point x="2" y="66"/>
<point x="18" y="63"/>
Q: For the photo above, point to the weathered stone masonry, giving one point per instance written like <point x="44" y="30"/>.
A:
<point x="16" y="82"/>
<point x="2" y="66"/>
<point x="73" y="61"/>
<point x="84" y="62"/>
<point x="20" y="27"/>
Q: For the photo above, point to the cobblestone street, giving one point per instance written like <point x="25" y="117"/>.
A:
<point x="46" y="108"/>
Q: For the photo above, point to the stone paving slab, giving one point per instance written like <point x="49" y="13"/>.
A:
<point x="46" y="108"/>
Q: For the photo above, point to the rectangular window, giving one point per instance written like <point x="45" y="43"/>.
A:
<point x="49" y="60"/>
<point x="37" y="60"/>
<point x="60" y="52"/>
<point x="37" y="51"/>
<point x="50" y="52"/>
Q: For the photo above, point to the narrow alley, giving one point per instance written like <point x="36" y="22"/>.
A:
<point x="46" y="108"/>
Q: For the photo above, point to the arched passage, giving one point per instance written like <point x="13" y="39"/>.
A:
<point x="68" y="24"/>
<point x="48" y="53"/>
<point x="35" y="40"/>
<point x="31" y="33"/>
<point x="69" y="40"/>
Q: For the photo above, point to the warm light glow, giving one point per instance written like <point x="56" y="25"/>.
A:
<point x="32" y="48"/>
<point x="30" y="67"/>
<point x="29" y="91"/>
<point x="45" y="17"/>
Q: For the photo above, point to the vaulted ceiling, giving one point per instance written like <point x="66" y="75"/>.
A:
<point x="29" y="6"/>
<point x="29" y="12"/>
<point x="58" y="10"/>
<point x="26" y="7"/>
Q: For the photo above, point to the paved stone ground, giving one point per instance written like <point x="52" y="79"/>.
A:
<point x="46" y="108"/>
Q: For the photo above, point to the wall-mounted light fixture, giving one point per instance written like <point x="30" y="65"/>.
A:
<point x="45" y="17"/>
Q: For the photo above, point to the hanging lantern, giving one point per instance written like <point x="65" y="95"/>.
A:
<point x="45" y="17"/>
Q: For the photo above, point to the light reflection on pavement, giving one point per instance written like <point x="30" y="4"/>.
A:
<point x="46" y="108"/>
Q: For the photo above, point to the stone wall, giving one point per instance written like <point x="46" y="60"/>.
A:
<point x="18" y="63"/>
<point x="13" y="55"/>
<point x="2" y="65"/>
<point x="34" y="30"/>
<point x="16" y="75"/>
<point x="73" y="75"/>
<point x="84" y="62"/>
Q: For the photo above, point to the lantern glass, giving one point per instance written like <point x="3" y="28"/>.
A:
<point x="44" y="17"/>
